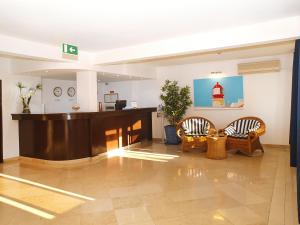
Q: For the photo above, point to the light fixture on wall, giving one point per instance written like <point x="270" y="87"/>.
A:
<point x="215" y="72"/>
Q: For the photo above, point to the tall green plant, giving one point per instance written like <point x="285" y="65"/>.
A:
<point x="176" y="101"/>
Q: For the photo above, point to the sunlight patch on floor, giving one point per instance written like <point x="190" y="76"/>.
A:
<point x="46" y="187"/>
<point x="140" y="155"/>
<point x="26" y="208"/>
<point x="35" y="197"/>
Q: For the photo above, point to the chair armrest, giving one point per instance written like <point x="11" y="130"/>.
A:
<point x="212" y="131"/>
<point x="252" y="135"/>
<point x="260" y="131"/>
<point x="180" y="133"/>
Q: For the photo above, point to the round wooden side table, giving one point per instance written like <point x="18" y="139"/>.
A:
<point x="216" y="147"/>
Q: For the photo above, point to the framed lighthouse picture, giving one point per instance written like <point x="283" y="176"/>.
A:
<point x="220" y="92"/>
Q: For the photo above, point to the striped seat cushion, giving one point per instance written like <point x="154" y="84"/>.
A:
<point x="196" y="127"/>
<point x="241" y="128"/>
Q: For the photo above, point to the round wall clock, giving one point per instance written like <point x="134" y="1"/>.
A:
<point x="57" y="91"/>
<point x="71" y="91"/>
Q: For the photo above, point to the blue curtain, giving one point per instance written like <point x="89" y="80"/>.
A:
<point x="295" y="110"/>
<point x="295" y="120"/>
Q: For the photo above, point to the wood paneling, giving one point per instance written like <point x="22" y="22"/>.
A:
<point x="65" y="136"/>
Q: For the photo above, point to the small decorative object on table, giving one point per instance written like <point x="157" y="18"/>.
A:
<point x="76" y="107"/>
<point x="26" y="97"/>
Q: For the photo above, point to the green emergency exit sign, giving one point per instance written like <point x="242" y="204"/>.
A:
<point x="70" y="49"/>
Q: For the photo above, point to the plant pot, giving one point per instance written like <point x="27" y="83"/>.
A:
<point x="26" y="109"/>
<point x="171" y="136"/>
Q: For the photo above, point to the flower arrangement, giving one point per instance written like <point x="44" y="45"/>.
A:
<point x="26" y="94"/>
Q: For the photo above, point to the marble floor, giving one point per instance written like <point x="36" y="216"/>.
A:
<point x="152" y="184"/>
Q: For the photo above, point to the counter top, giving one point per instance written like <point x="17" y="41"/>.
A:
<point x="77" y="115"/>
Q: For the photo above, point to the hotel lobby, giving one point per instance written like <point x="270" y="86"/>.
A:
<point x="149" y="112"/>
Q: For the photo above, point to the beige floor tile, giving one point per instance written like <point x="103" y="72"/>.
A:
<point x="64" y="220"/>
<point x="261" y="209"/>
<point x="99" y="205"/>
<point x="241" y="194"/>
<point x="98" y="218"/>
<point x="211" y="218"/>
<point x="241" y="216"/>
<point x="120" y="192"/>
<point x="133" y="216"/>
<point x="192" y="193"/>
<point x="127" y="202"/>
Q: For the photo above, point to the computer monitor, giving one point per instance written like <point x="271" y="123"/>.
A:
<point x="120" y="104"/>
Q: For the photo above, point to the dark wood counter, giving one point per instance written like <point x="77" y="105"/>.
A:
<point x="66" y="136"/>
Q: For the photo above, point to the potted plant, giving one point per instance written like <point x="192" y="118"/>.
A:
<point x="176" y="101"/>
<point x="26" y="96"/>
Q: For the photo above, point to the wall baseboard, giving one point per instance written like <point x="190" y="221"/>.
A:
<point x="157" y="140"/>
<point x="276" y="146"/>
<point x="11" y="159"/>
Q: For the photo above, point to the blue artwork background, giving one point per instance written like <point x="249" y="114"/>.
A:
<point x="233" y="90"/>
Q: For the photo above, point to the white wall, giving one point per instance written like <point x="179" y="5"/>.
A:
<point x="63" y="103"/>
<point x="266" y="95"/>
<point x="87" y="90"/>
<point x="11" y="104"/>
<point x="144" y="92"/>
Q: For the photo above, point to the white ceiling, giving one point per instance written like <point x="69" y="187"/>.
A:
<point x="228" y="54"/>
<point x="96" y="25"/>
<point x="71" y="75"/>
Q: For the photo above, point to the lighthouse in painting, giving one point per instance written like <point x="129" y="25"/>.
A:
<point x="218" y="96"/>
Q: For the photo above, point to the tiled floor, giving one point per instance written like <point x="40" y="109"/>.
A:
<point x="147" y="188"/>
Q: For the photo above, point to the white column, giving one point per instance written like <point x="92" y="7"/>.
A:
<point x="87" y="91"/>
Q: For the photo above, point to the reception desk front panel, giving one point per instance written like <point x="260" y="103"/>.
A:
<point x="67" y="136"/>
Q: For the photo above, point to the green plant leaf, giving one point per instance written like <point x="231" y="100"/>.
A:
<point x="176" y="101"/>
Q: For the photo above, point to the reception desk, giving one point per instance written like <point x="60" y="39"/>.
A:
<point x="67" y="136"/>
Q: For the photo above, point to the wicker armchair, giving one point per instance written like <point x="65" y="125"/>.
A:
<point x="243" y="134"/>
<point x="193" y="132"/>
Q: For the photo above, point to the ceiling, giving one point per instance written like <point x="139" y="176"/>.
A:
<point x="103" y="77"/>
<point x="96" y="25"/>
<point x="228" y="54"/>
